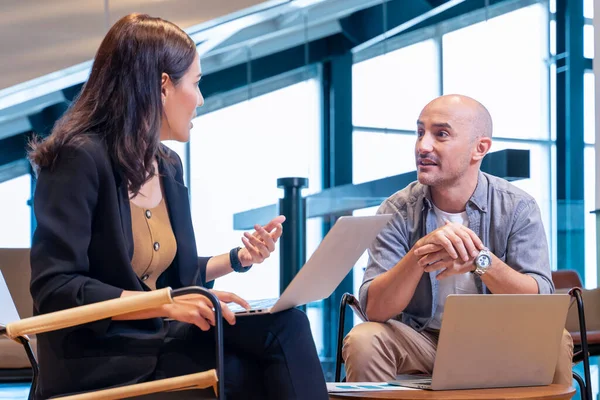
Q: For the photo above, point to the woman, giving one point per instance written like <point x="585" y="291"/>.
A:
<point x="113" y="219"/>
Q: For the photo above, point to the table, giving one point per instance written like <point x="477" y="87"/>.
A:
<point x="550" y="392"/>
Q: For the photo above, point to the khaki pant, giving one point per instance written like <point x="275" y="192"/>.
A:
<point x="377" y="352"/>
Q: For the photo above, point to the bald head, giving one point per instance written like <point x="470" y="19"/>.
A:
<point x="466" y="109"/>
<point x="453" y="136"/>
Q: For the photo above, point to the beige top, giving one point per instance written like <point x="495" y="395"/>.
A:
<point x="154" y="244"/>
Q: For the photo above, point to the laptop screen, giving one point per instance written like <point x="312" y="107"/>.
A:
<point x="8" y="311"/>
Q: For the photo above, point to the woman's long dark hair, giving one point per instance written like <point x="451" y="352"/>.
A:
<point x="121" y="101"/>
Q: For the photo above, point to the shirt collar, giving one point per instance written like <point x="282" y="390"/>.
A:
<point x="480" y="195"/>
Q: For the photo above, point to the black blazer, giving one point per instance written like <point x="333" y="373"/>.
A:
<point x="81" y="253"/>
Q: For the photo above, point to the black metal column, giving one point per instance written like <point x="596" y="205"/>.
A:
<point x="569" y="135"/>
<point x="292" y="250"/>
<point x="337" y="147"/>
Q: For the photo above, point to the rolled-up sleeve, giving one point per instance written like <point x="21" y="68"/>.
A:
<point x="388" y="248"/>
<point x="527" y="248"/>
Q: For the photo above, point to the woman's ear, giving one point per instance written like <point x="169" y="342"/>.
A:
<point x="483" y="146"/>
<point x="165" y="81"/>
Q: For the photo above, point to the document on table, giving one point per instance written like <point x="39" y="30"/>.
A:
<point x="342" y="387"/>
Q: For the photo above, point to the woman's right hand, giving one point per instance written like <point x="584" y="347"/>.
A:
<point x="197" y="309"/>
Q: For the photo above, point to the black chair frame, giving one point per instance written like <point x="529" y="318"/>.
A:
<point x="347" y="300"/>
<point x="583" y="351"/>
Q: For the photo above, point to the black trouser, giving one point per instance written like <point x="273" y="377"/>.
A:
<point x="271" y="356"/>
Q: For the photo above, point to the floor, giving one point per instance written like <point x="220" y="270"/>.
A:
<point x="14" y="391"/>
<point x="20" y="391"/>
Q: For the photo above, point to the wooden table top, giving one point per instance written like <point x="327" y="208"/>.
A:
<point x="553" y="392"/>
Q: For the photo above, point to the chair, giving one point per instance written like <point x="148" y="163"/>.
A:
<point x="583" y="326"/>
<point x="575" y="321"/>
<point x="566" y="279"/>
<point x="20" y="330"/>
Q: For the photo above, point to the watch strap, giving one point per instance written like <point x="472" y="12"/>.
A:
<point x="234" y="259"/>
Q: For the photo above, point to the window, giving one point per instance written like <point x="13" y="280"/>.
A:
<point x="552" y="37"/>
<point x="236" y="155"/>
<point x="588" y="41"/>
<point x="589" y="119"/>
<point x="501" y="63"/>
<point x="589" y="172"/>
<point x="15" y="213"/>
<point x="588" y="8"/>
<point x="589" y="176"/>
<point x="389" y="91"/>
<point x="395" y="154"/>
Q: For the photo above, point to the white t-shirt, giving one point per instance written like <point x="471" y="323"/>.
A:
<point x="455" y="284"/>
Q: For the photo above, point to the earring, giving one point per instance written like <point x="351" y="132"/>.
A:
<point x="163" y="100"/>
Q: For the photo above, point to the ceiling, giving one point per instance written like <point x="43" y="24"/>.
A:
<point x="246" y="46"/>
<point x="44" y="36"/>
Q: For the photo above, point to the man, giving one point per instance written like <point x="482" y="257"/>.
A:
<point x="443" y="223"/>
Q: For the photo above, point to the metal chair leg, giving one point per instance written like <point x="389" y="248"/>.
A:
<point x="34" y="365"/>
<point x="584" y="344"/>
<point x="340" y="338"/>
<point x="218" y="332"/>
<point x="582" y="387"/>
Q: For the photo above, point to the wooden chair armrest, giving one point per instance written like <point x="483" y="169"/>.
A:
<point x="88" y="313"/>
<point x="199" y="380"/>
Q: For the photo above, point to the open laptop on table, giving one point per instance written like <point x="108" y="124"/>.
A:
<point x="494" y="341"/>
<point x="329" y="264"/>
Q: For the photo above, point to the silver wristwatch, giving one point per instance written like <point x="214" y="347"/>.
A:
<point x="483" y="262"/>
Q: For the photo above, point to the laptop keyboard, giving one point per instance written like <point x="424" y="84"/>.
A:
<point x="254" y="305"/>
<point x="412" y="381"/>
<point x="264" y="303"/>
<point x="425" y="381"/>
<point x="419" y="379"/>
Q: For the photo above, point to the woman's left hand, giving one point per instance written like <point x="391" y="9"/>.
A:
<point x="259" y="245"/>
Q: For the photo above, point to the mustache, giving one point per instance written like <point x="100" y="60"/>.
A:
<point x="427" y="156"/>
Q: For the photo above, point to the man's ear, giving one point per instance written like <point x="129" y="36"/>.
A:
<point x="482" y="147"/>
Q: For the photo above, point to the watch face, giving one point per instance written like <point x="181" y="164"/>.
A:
<point x="483" y="260"/>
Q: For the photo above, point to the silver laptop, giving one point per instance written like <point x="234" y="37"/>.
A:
<point x="494" y="341"/>
<point x="328" y="265"/>
<point x="8" y="311"/>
